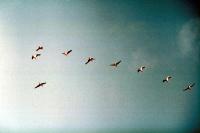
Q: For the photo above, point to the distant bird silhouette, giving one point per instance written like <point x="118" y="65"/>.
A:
<point x="141" y="69"/>
<point x="67" y="52"/>
<point x="90" y="59"/>
<point x="189" y="87"/>
<point x="40" y="85"/>
<point x="35" y="56"/>
<point x="167" y="79"/>
<point x="39" y="48"/>
<point x="116" y="64"/>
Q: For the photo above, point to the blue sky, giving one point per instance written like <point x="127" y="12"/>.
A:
<point x="163" y="35"/>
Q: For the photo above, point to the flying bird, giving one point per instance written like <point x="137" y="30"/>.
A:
<point x="90" y="59"/>
<point x="39" y="48"/>
<point x="116" y="64"/>
<point x="141" y="69"/>
<point x="35" y="56"/>
<point x="67" y="52"/>
<point x="167" y="79"/>
<point x="40" y="85"/>
<point x="189" y="87"/>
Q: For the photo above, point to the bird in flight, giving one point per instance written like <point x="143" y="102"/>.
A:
<point x="189" y="87"/>
<point x="39" y="48"/>
<point x="167" y="79"/>
<point x="141" y="69"/>
<point x="67" y="52"/>
<point x="35" y="56"/>
<point x="115" y="64"/>
<point x="40" y="85"/>
<point x="90" y="59"/>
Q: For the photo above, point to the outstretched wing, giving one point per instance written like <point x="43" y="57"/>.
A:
<point x="186" y="89"/>
<point x="143" y="67"/>
<point x="164" y="80"/>
<point x="192" y="84"/>
<point x="33" y="57"/>
<point x="38" y="55"/>
<point x="42" y="84"/>
<point x="37" y="86"/>
<point x="87" y="61"/>
<point x="69" y="51"/>
<point x="118" y="62"/>
<point x="38" y="49"/>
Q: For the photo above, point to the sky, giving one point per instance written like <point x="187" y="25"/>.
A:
<point x="162" y="35"/>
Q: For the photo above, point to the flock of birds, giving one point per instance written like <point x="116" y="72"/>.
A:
<point x="91" y="59"/>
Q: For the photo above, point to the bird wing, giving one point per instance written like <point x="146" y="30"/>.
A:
<point x="69" y="51"/>
<point x="38" y="49"/>
<point x="37" y="86"/>
<point x="43" y="83"/>
<point x="38" y="55"/>
<point x="164" y="80"/>
<point x="192" y="84"/>
<point x="185" y="89"/>
<point x="87" y="61"/>
<point x="118" y="62"/>
<point x="138" y="70"/>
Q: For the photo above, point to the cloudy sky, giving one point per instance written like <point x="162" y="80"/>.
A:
<point x="163" y="35"/>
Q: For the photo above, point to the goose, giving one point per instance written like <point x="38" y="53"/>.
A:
<point x="39" y="48"/>
<point x="35" y="56"/>
<point x="89" y="60"/>
<point x="115" y="64"/>
<point x="67" y="52"/>
<point x="167" y="79"/>
<point x="189" y="87"/>
<point x="40" y="84"/>
<point x="141" y="69"/>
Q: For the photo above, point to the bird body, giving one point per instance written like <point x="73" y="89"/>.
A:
<point x="115" y="64"/>
<point x="90" y="59"/>
<point x="67" y="52"/>
<point x="189" y="87"/>
<point x="167" y="79"/>
<point x="40" y="85"/>
<point x="141" y="69"/>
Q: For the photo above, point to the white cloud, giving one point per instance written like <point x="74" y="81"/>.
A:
<point x="188" y="38"/>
